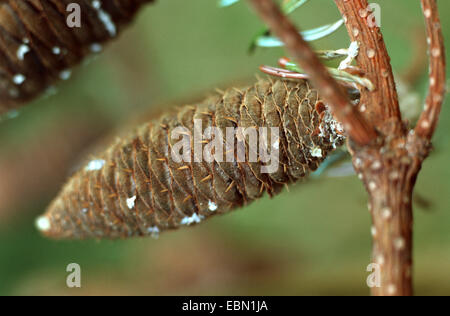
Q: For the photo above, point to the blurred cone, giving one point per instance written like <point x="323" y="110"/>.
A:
<point x="39" y="45"/>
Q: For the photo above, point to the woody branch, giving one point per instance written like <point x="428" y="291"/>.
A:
<point x="388" y="164"/>
<point x="429" y="117"/>
<point x="389" y="171"/>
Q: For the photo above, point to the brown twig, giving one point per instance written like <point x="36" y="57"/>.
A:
<point x="388" y="171"/>
<point x="391" y="185"/>
<point x="354" y="123"/>
<point x="287" y="74"/>
<point x="373" y="58"/>
<point x="429" y="118"/>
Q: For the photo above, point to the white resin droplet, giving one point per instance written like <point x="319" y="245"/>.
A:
<point x="43" y="224"/>
<point x="19" y="79"/>
<point x="96" y="48"/>
<point x="56" y="50"/>
<point x="65" y="74"/>
<point x="193" y="219"/>
<point x="22" y="50"/>
<point x="212" y="206"/>
<point x="105" y="18"/>
<point x="316" y="152"/>
<point x="95" y="165"/>
<point x="154" y="232"/>
<point x="131" y="201"/>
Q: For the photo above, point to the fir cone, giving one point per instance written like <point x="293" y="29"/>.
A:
<point x="38" y="47"/>
<point x="137" y="188"/>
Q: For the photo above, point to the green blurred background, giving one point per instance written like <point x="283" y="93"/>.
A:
<point x="313" y="240"/>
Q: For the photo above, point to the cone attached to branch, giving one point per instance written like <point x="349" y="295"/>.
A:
<point x="163" y="175"/>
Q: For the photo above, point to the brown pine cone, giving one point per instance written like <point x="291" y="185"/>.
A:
<point x="136" y="187"/>
<point x="38" y="47"/>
